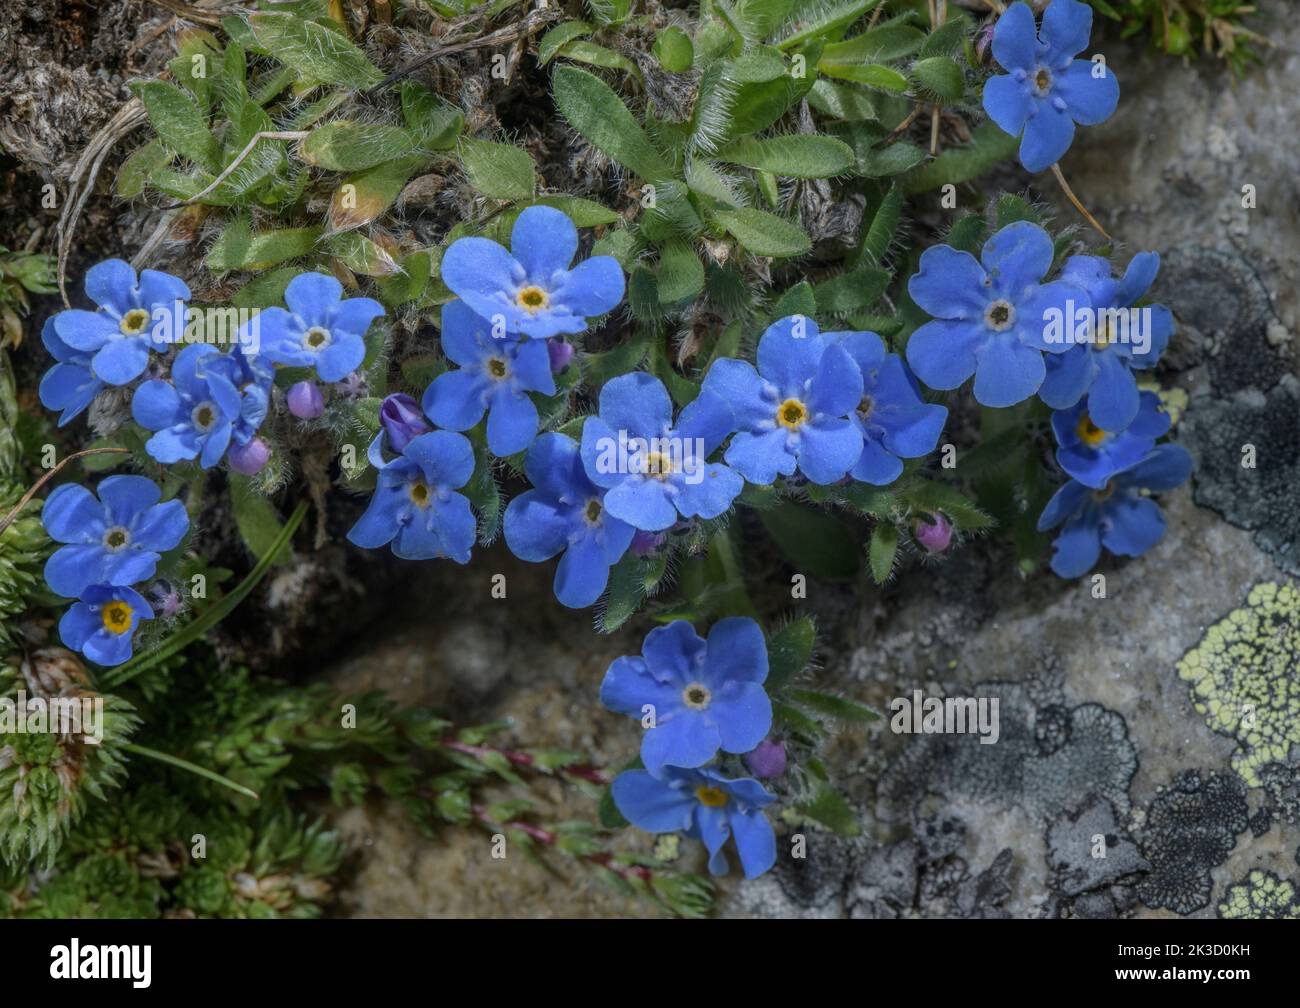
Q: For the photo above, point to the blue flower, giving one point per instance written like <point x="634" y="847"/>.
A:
<point x="70" y="385"/>
<point x="1117" y="516"/>
<point x="133" y="317"/>
<point x="1046" y="90"/>
<point x="794" y="411"/>
<point x="102" y="625"/>
<point x="1092" y="456"/>
<point x="990" y="315"/>
<point x="652" y="470"/>
<point x="494" y="375"/>
<point x="700" y="696"/>
<point x="1115" y="337"/>
<point x="114" y="540"/>
<point x="415" y="506"/>
<point x="253" y="376"/>
<point x="194" y="414"/>
<point x="894" y="420"/>
<point x="705" y="806"/>
<point x="319" y="330"/>
<point x="565" y="513"/>
<point x="530" y="289"/>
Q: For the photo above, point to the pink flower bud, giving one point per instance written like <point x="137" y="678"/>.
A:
<point x="935" y="536"/>
<point x="644" y="544"/>
<point x="249" y="458"/>
<point x="766" y="760"/>
<point x="561" y="353"/>
<point x="306" y="401"/>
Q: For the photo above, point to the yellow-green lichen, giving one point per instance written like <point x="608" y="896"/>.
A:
<point x="1263" y="896"/>
<point x="1245" y="677"/>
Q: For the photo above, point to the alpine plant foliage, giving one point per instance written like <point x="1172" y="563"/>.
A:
<point x="729" y="290"/>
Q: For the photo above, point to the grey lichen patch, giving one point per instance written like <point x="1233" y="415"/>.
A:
<point x="1245" y="678"/>
<point x="1191" y="828"/>
<point x="1244" y="432"/>
<point x="1089" y="850"/>
<point x="1261" y="896"/>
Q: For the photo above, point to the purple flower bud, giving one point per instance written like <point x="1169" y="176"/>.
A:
<point x="644" y="544"/>
<point x="934" y="537"/>
<point x="561" y="353"/>
<point x="249" y="458"/>
<point x="306" y="401"/>
<point x="766" y="760"/>
<point x="402" y="419"/>
<point x="164" y="598"/>
<point x="984" y="38"/>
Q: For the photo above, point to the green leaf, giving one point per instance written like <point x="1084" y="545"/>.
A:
<point x="854" y="291"/>
<point x="433" y="121"/>
<point x="838" y="707"/>
<point x="813" y="541"/>
<point x="361" y="255"/>
<point x="681" y="274"/>
<point x="361" y="198"/>
<point x="884" y="226"/>
<point x="829" y="808"/>
<point x="941" y="77"/>
<point x="989" y="147"/>
<point x="353" y="146"/>
<point x="139" y="167"/>
<point x="673" y="49"/>
<point x="599" y="55"/>
<point x="584" y="213"/>
<point x="871" y="74"/>
<point x="239" y="248"/>
<point x="798" y="300"/>
<point x="883" y="549"/>
<point x="257" y="520"/>
<point x="796" y="155"/>
<point x="1011" y="209"/>
<point x="316" y="52"/>
<point x="179" y="123"/>
<point x="497" y="170"/>
<point x="763" y="233"/>
<point x="555" y="39"/>
<point x="789" y="651"/>
<point x="826" y="22"/>
<point x="595" y="111"/>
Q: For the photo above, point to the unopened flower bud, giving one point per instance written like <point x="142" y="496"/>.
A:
<point x="248" y="459"/>
<point x="934" y="536"/>
<point x="561" y="353"/>
<point x="306" y="401"/>
<point x="402" y="419"/>
<point x="766" y="760"/>
<point x="644" y="544"/>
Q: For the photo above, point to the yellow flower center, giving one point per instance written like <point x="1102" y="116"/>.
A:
<point x="204" y="416"/>
<point x="592" y="511"/>
<point x="316" y="338"/>
<point x="419" y="495"/>
<point x="496" y="367"/>
<point x="532" y="299"/>
<point x="116" y="616"/>
<point x="134" y="322"/>
<point x="865" y="407"/>
<point x="1043" y="79"/>
<point x="658" y="465"/>
<point x="1000" y="315"/>
<point x="792" y="414"/>
<point x="696" y="696"/>
<point x="116" y="537"/>
<point x="711" y="797"/>
<point x="1089" y="433"/>
<point x="1103" y="337"/>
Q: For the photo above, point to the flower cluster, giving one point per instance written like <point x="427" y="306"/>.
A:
<point x="112" y="541"/>
<point x="697" y="699"/>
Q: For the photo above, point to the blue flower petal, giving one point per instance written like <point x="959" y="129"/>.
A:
<point x="1007" y="373"/>
<point x="642" y="503"/>
<point x="739" y="385"/>
<point x="121" y="360"/>
<point x="1132" y="525"/>
<point x="536" y="527"/>
<point x="543" y="241"/>
<point x="72" y="568"/>
<point x="755" y="842"/>
<point x="1068" y="376"/>
<point x="651" y="804"/>
<point x="1067" y="25"/>
<point x="837" y="385"/>
<point x="1017" y="257"/>
<point x="1065" y="503"/>
<point x="162" y="290"/>
<point x="1008" y="103"/>
<point x="712" y="495"/>
<point x="672" y="653"/>
<point x="949" y="284"/>
<point x="78" y="625"/>
<point x="377" y="526"/>
<point x="1015" y="39"/>
<point x="161" y="527"/>
<point x="760" y="458"/>
<point x="628" y="687"/>
<point x="636" y="403"/>
<point x="466" y="336"/>
<point x="1113" y="397"/>
<point x="1137" y="279"/>
<point x="582" y="573"/>
<point x="876" y="465"/>
<point x="70" y="388"/>
<point x="943" y="353"/>
<point x="72" y="515"/>
<point x="83" y="330"/>
<point x="707" y="417"/>
<point x="530" y="365"/>
<point x="687" y="739"/>
<point x="355" y="315"/>
<point x="919" y="435"/>
<point x="446" y="459"/>
<point x="1089" y="100"/>
<point x="155" y="405"/>
<point x="445" y="529"/>
<point x="111" y="284"/>
<point x="344" y="355"/>
<point x="554" y="467"/>
<point x="480" y="272"/>
<point x="593" y="287"/>
<point x="828" y="451"/>
<point x="736" y="651"/>
<point x="789" y="353"/>
<point x="124" y="497"/>
<point x="313" y="297"/>
<point x="1167" y="466"/>
<point x="1076" y="549"/>
<point x="598" y="452"/>
<point x="512" y="422"/>
<point x="456" y="399"/>
<point x="1047" y="137"/>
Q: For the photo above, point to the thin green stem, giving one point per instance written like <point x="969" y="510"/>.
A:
<point x="193" y="768"/>
<point x="197" y="628"/>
